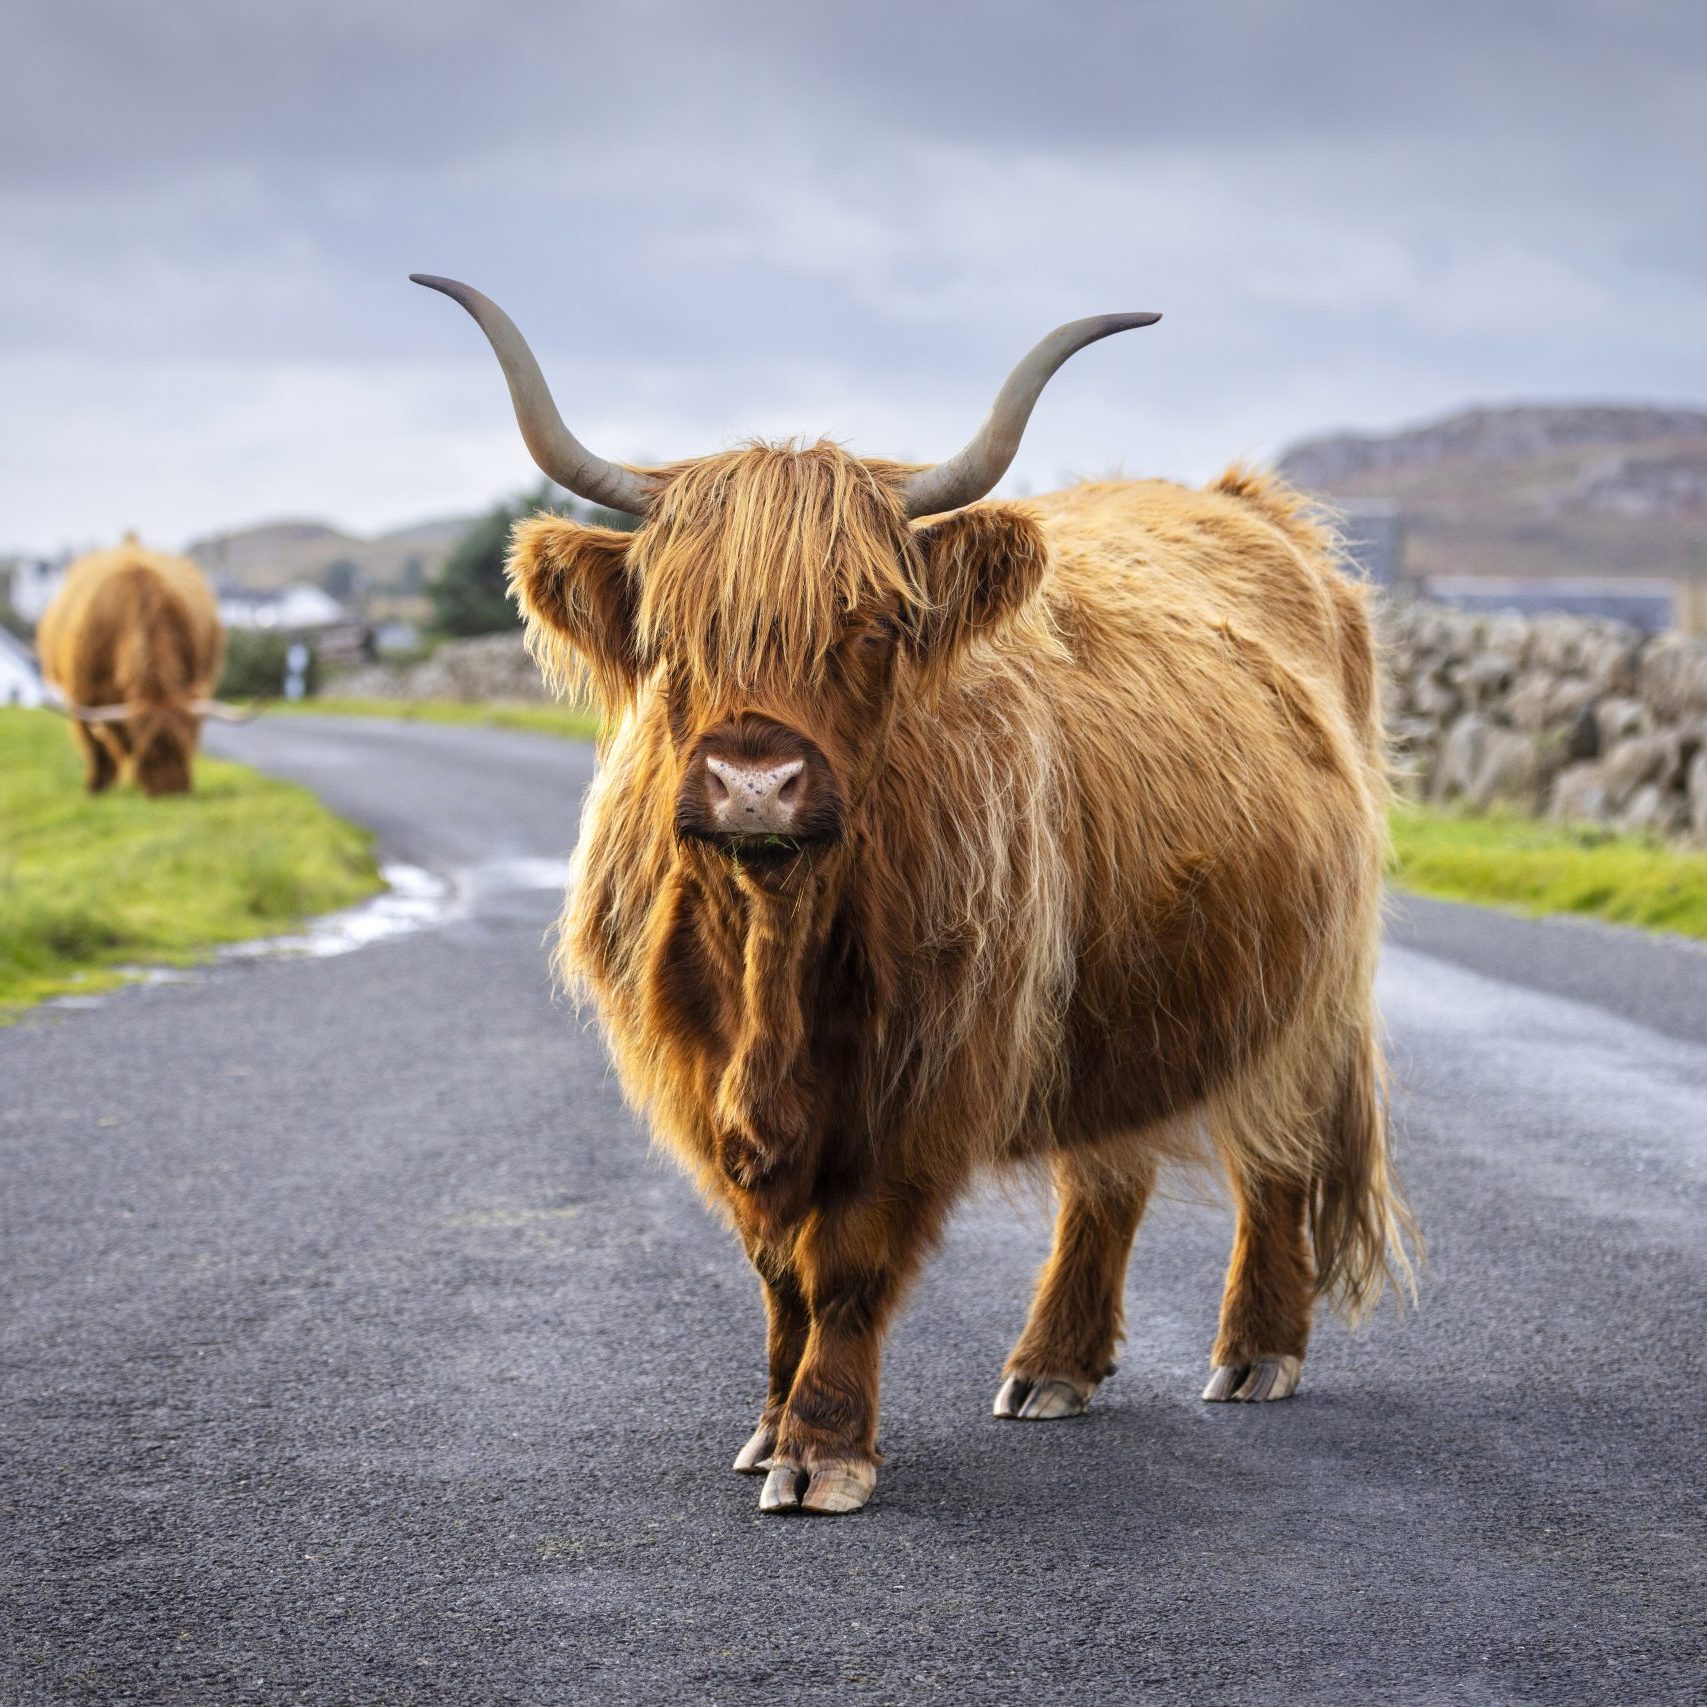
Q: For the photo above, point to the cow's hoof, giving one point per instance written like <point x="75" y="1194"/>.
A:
<point x="829" y="1491"/>
<point x="1046" y="1400"/>
<point x="754" y="1458"/>
<point x="1251" y="1383"/>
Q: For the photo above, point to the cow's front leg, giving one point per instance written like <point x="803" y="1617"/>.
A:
<point x="786" y="1323"/>
<point x="100" y="767"/>
<point x="854" y="1267"/>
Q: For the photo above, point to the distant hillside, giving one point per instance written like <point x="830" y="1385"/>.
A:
<point x="385" y="575"/>
<point x="1531" y="491"/>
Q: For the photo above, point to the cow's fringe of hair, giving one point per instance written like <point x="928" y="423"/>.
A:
<point x="761" y="555"/>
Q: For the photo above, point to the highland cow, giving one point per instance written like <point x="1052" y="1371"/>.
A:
<point x="933" y="837"/>
<point x="132" y="643"/>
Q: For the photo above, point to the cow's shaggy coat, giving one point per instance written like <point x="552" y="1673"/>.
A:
<point x="138" y="629"/>
<point x="1107" y="770"/>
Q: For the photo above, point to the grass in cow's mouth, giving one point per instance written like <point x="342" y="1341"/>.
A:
<point x="90" y="885"/>
<point x="764" y="851"/>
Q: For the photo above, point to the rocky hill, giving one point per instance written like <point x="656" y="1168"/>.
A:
<point x="1546" y="490"/>
<point x="384" y="574"/>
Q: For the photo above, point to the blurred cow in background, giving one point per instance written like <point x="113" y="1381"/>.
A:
<point x="935" y="836"/>
<point x="132" y="642"/>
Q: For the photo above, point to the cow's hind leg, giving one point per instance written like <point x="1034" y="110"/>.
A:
<point x="786" y="1325"/>
<point x="1271" y="1282"/>
<point x="1076" y="1320"/>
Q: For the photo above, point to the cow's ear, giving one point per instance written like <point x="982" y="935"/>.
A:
<point x="980" y="566"/>
<point x="577" y="593"/>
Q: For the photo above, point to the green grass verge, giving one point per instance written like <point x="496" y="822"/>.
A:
<point x="1534" y="866"/>
<point x="88" y="885"/>
<point x="543" y="719"/>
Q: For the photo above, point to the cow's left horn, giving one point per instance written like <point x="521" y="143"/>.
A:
<point x="557" y="451"/>
<point x="966" y="477"/>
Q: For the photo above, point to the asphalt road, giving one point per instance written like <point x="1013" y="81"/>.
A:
<point x="354" y="1350"/>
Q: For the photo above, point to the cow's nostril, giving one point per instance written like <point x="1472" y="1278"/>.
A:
<point x="789" y="789"/>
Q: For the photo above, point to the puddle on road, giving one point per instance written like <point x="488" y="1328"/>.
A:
<point x="413" y="899"/>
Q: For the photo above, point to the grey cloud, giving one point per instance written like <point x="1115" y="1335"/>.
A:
<point x="742" y="217"/>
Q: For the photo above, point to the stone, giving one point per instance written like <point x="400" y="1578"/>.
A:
<point x="1620" y="719"/>
<point x="1695" y="793"/>
<point x="1509" y="634"/>
<point x="1637" y="762"/>
<point x="1567" y="700"/>
<point x="1435" y="699"/>
<point x="1507" y="768"/>
<point x="1609" y="661"/>
<point x="1673" y="675"/>
<point x="1529" y="705"/>
<point x="1460" y="757"/>
<point x="1486" y="679"/>
<point x="1556" y="644"/>
<point x="1654" y="810"/>
<point x="1579" y="795"/>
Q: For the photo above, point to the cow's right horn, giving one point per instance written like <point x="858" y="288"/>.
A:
<point x="557" y="451"/>
<point x="220" y="712"/>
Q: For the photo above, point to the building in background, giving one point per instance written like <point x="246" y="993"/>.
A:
<point x="297" y="609"/>
<point x="20" y="678"/>
<point x="33" y="583"/>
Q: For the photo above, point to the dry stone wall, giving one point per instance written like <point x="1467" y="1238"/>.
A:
<point x="494" y="667"/>
<point x="1574" y="717"/>
<point x="1578" y="718"/>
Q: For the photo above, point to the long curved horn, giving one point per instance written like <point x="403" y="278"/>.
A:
<point x="220" y="712"/>
<point x="89" y="713"/>
<point x="966" y="477"/>
<point x="557" y="451"/>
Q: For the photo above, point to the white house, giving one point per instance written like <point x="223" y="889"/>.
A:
<point x="291" y="609"/>
<point x="20" y="680"/>
<point x="34" y="583"/>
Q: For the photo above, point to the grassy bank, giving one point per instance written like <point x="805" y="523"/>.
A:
<point x="541" y="718"/>
<point x="90" y="885"/>
<point x="1537" y="867"/>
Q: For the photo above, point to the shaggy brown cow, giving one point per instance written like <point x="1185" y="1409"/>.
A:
<point x="133" y="644"/>
<point x="1041" y="834"/>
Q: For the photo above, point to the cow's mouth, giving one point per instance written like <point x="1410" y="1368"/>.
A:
<point x="767" y="852"/>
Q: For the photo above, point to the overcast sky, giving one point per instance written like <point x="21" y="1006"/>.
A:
<point x="719" y="220"/>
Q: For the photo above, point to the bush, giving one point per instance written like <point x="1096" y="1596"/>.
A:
<point x="255" y="664"/>
<point x="469" y="597"/>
